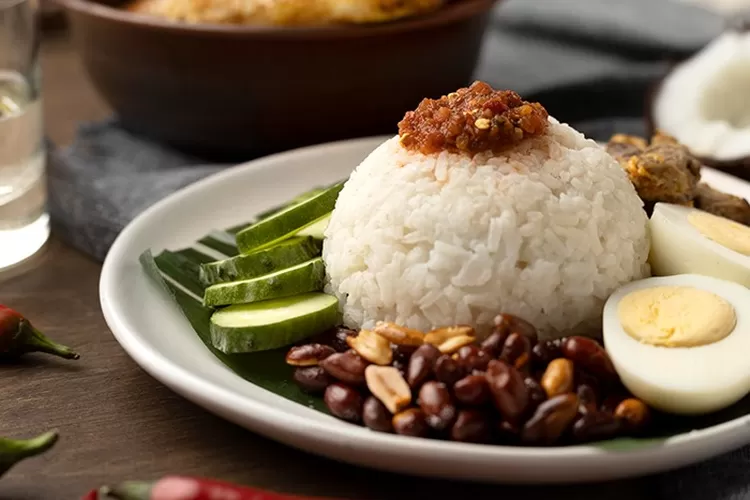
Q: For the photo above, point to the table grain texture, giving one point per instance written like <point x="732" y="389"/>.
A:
<point x="116" y="422"/>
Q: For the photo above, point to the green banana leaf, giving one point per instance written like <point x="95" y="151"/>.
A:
<point x="269" y="370"/>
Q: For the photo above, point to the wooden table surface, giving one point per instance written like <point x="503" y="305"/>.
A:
<point x="116" y="422"/>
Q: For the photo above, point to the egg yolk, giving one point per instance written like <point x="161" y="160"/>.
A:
<point x="676" y="316"/>
<point x="725" y="232"/>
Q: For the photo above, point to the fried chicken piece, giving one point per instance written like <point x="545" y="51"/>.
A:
<point x="661" y="171"/>
<point x="722" y="204"/>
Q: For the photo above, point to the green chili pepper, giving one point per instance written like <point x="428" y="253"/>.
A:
<point x="13" y="451"/>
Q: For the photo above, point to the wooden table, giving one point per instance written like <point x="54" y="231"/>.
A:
<point x="116" y="422"/>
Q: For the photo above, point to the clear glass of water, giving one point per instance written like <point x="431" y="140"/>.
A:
<point x="24" y="223"/>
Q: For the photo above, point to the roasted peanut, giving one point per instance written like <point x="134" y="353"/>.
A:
<point x="472" y="358"/>
<point x="545" y="351"/>
<point x="339" y="339"/>
<point x="558" y="377"/>
<point x="586" y="399"/>
<point x="399" y="335"/>
<point x="508" y="390"/>
<point x="550" y="420"/>
<point x="372" y="347"/>
<point x="344" y="402"/>
<point x="447" y="370"/>
<point x="421" y="365"/>
<point x="517" y="351"/>
<point x="308" y="354"/>
<point x="590" y="356"/>
<point x="595" y="426"/>
<point x="472" y="426"/>
<point x="508" y="323"/>
<point x="312" y="379"/>
<point x="387" y="384"/>
<point x="346" y="366"/>
<point x="411" y="422"/>
<point x="472" y="390"/>
<point x="634" y="413"/>
<point x="493" y="345"/>
<point x="450" y="339"/>
<point x="376" y="416"/>
<point x="435" y="401"/>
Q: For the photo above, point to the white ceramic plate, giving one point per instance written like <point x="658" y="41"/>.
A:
<point x="155" y="334"/>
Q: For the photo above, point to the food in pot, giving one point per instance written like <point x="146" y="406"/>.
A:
<point x="686" y="240"/>
<point x="284" y="12"/>
<point x="484" y="203"/>
<point x="680" y="343"/>
<point x="703" y="101"/>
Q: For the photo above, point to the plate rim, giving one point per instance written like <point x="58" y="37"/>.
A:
<point x="240" y="408"/>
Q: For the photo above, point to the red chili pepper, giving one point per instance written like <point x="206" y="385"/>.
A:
<point x="18" y="336"/>
<point x="185" y="488"/>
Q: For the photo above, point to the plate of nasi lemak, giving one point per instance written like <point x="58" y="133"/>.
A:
<point x="487" y="295"/>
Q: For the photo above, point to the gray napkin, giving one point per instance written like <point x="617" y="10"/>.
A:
<point x="108" y="176"/>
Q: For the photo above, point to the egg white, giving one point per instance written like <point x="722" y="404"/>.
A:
<point x="683" y="380"/>
<point x="677" y="247"/>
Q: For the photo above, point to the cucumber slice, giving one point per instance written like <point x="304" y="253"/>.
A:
<point x="316" y="229"/>
<point x="242" y="267"/>
<point x="302" y="278"/>
<point x="288" y="221"/>
<point x="273" y="323"/>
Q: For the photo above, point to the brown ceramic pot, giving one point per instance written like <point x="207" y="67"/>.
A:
<point x="239" y="91"/>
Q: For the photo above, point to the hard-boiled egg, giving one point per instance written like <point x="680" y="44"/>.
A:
<point x="686" y="240"/>
<point x="681" y="343"/>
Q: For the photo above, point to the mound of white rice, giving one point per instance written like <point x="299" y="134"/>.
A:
<point x="545" y="231"/>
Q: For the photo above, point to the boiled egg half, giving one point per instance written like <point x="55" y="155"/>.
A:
<point x="687" y="240"/>
<point x="681" y="343"/>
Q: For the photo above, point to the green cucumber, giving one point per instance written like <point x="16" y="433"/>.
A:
<point x="288" y="221"/>
<point x="242" y="267"/>
<point x="302" y="278"/>
<point x="316" y="229"/>
<point x="273" y="323"/>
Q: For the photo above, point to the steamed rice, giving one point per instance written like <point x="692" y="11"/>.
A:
<point x="546" y="231"/>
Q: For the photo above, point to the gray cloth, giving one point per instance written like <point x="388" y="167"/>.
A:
<point x="108" y="176"/>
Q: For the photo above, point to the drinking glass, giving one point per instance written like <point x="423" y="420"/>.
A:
<point x="24" y="223"/>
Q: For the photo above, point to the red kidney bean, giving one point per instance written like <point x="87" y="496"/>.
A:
<point x="471" y="358"/>
<point x="586" y="400"/>
<point x="612" y="401"/>
<point x="339" y="339"/>
<point x="344" y="402"/>
<point x="411" y="422"/>
<point x="312" y="379"/>
<point x="376" y="416"/>
<point x="421" y="365"/>
<point x="508" y="433"/>
<point x="591" y="356"/>
<point x="447" y="370"/>
<point x="545" y="351"/>
<point x="508" y="390"/>
<point x="472" y="426"/>
<point x="472" y="390"/>
<point x="348" y="367"/>
<point x="493" y="345"/>
<point x="435" y="401"/>
<point x="550" y="420"/>
<point x="517" y="351"/>
<point x="595" y="426"/>
<point x="509" y="323"/>
<point x="402" y="353"/>
<point x="536" y="394"/>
